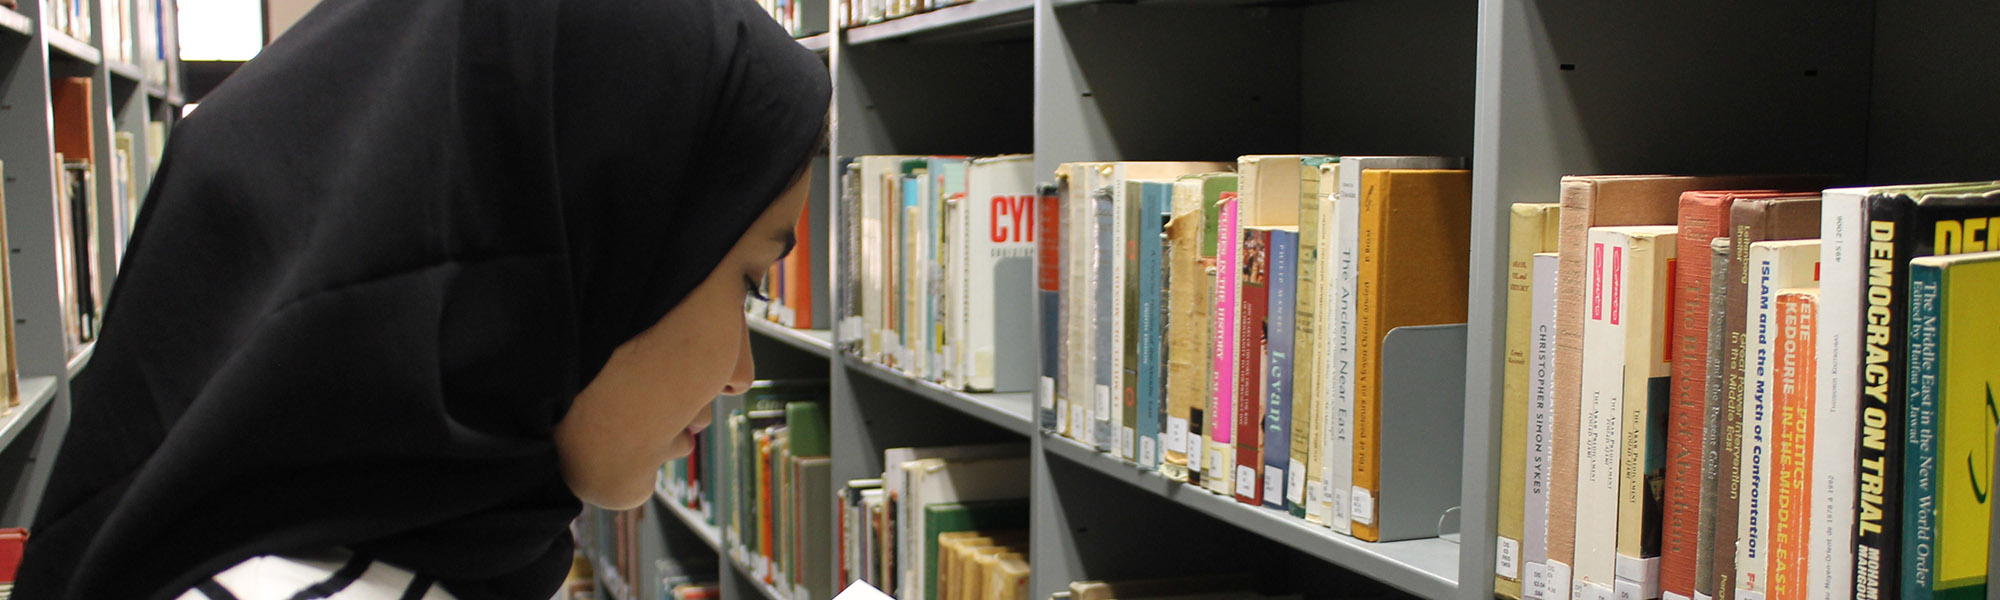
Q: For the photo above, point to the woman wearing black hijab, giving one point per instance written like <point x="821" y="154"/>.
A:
<point x="418" y="278"/>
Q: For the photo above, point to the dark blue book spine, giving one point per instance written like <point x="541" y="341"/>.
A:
<point x="1278" y="383"/>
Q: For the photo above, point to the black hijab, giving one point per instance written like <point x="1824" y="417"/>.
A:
<point x="378" y="263"/>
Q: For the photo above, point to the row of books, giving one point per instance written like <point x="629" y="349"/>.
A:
<point x="937" y="256"/>
<point x="71" y="17"/>
<point x="799" y="17"/>
<point x="855" y="13"/>
<point x="762" y="476"/>
<point x="1745" y="387"/>
<point x="941" y="522"/>
<point x="1224" y="323"/>
<point x="788" y="284"/>
<point x="613" y="539"/>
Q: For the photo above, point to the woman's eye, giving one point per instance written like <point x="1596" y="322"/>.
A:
<point x="755" y="287"/>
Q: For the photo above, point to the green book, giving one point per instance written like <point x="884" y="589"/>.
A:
<point x="808" y="424"/>
<point x="989" y="515"/>
<point x="812" y="494"/>
<point x="1954" y="367"/>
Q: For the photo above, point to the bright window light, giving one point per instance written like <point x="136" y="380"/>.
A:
<point x="221" y="29"/>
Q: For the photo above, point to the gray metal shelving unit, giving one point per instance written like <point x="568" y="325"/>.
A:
<point x="31" y="433"/>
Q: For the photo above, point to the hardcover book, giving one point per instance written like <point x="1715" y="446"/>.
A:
<point x="1252" y="337"/>
<point x="1407" y="217"/>
<point x="1278" y="363"/>
<point x="1531" y="230"/>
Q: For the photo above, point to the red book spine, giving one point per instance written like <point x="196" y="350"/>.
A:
<point x="1703" y="217"/>
<point x="1253" y="310"/>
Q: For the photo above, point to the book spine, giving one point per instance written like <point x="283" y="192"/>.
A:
<point x="1879" y="458"/>
<point x="1578" y="198"/>
<point x="1186" y="353"/>
<point x="1752" y="560"/>
<point x="1606" y="327"/>
<point x="1299" y="469"/>
<point x="1222" y="387"/>
<point x="1711" y="437"/>
<point x="1130" y="214"/>
<point x="1346" y="255"/>
<point x="1729" y="444"/>
<point x="1319" y="493"/>
<point x="1252" y="359"/>
<point x="1701" y="220"/>
<point x="1843" y="229"/>
<point x="1526" y="236"/>
<point x="1048" y="292"/>
<point x="848" y="330"/>
<point x="1152" y="322"/>
<point x="1648" y="296"/>
<point x="1541" y="427"/>
<point x="1920" y="441"/>
<point x="1081" y="378"/>
<point x="1790" y="494"/>
<point x="1124" y="401"/>
<point x="1278" y="405"/>
<point x="1104" y="329"/>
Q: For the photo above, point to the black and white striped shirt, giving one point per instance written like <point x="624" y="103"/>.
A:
<point x="335" y="576"/>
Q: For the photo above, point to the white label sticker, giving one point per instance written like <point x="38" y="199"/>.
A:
<point x="1218" y="461"/>
<point x="1079" y="427"/>
<point x="1177" y="435"/>
<point x="799" y="592"/>
<point x="1045" y="390"/>
<point x="1702" y="596"/>
<point x="1750" y="594"/>
<point x="1535" y="584"/>
<point x="1246" y="481"/>
<point x="1625" y="590"/>
<point x="1363" y="510"/>
<point x="1316" y="500"/>
<point x="1507" y="552"/>
<point x="1559" y="587"/>
<point x="1126" y="440"/>
<point x="1295" y="482"/>
<point x="1102" y="411"/>
<point x="1194" y="456"/>
<point x="1149" y="456"/>
<point x="1595" y="591"/>
<point x="1274" y="481"/>
<point x="1672" y="596"/>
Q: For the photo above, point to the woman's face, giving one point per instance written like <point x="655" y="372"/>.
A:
<point x="654" y="393"/>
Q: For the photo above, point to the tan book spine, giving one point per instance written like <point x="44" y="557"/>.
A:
<point x="1319" y="495"/>
<point x="1532" y="229"/>
<point x="1429" y="228"/>
<point x="1648" y="367"/>
<point x="1187" y="327"/>
<point x="1304" y="402"/>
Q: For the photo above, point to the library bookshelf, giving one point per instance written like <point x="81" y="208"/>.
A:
<point x="1526" y="90"/>
<point x="136" y="92"/>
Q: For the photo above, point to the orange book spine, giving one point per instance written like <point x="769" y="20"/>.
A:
<point x="1411" y="269"/>
<point x="1797" y="362"/>
<point x="798" y="290"/>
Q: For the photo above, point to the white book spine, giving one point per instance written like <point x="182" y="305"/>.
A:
<point x="1600" y="431"/>
<point x="1830" y="553"/>
<point x="1078" y="226"/>
<point x="999" y="203"/>
<point x="1122" y="440"/>
<point x="960" y="213"/>
<point x="1541" y="424"/>
<point x="1773" y="266"/>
